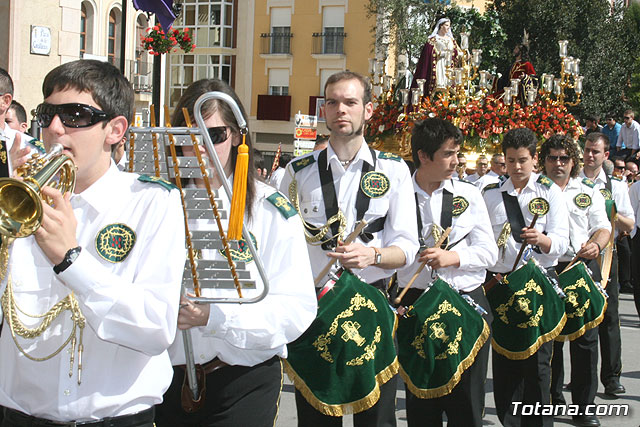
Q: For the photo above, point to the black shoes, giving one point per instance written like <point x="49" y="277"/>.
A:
<point x="586" y="420"/>
<point x="614" y="388"/>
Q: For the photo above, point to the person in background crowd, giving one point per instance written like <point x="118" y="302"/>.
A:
<point x="461" y="167"/>
<point x="592" y="125"/>
<point x="482" y="166"/>
<point x="629" y="135"/>
<point x="16" y="117"/>
<point x="612" y="129"/>
<point x="276" y="177"/>
<point x="259" y="162"/>
<point x="496" y="174"/>
<point x="630" y="171"/>
<point x="618" y="167"/>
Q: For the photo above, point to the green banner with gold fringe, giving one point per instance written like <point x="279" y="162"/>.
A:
<point x="585" y="304"/>
<point x="527" y="312"/>
<point x="348" y="352"/>
<point x="438" y="339"/>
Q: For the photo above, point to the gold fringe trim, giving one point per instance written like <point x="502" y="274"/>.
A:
<point x="346" y="408"/>
<point x="525" y="354"/>
<point x="447" y="388"/>
<point x="589" y="325"/>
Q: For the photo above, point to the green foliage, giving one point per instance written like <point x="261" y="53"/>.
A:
<point x="603" y="40"/>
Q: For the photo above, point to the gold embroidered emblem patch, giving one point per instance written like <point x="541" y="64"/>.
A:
<point x="606" y="194"/>
<point x="243" y="253"/>
<point x="582" y="200"/>
<point x="375" y="184"/>
<point x="115" y="241"/>
<point x="460" y="204"/>
<point x="539" y="206"/>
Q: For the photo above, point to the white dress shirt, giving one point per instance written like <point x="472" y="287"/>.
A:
<point x="398" y="204"/>
<point x="555" y="222"/>
<point x="488" y="178"/>
<point x="130" y="308"/>
<point x="629" y="136"/>
<point x="472" y="229"/>
<point x="249" y="334"/>
<point x="619" y="192"/>
<point x="583" y="220"/>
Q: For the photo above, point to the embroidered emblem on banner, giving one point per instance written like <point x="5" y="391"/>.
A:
<point x="115" y="241"/>
<point x="582" y="200"/>
<point x="460" y="204"/>
<point x="539" y="206"/>
<point x="350" y="332"/>
<point x="606" y="194"/>
<point x="242" y="253"/>
<point x="374" y="184"/>
<point x="438" y="331"/>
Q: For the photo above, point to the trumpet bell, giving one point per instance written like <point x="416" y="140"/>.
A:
<point x="21" y="200"/>
<point x="20" y="208"/>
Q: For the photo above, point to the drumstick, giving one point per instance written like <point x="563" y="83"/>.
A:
<point x="575" y="258"/>
<point x="350" y="238"/>
<point x="421" y="267"/>
<point x="533" y="223"/>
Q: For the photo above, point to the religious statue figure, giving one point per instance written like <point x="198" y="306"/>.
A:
<point x="440" y="51"/>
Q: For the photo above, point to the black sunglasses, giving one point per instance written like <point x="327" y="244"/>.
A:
<point x="71" y="115"/>
<point x="218" y="134"/>
<point x="619" y="167"/>
<point x="563" y="159"/>
<point x="627" y="117"/>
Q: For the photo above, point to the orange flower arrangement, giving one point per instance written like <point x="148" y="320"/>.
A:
<point x="157" y="42"/>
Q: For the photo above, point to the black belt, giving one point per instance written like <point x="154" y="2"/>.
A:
<point x="21" y="419"/>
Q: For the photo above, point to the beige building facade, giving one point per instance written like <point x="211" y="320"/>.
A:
<point x="38" y="35"/>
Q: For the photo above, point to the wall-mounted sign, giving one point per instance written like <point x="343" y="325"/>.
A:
<point x="40" y="40"/>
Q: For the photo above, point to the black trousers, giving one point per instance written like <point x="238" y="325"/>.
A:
<point x="623" y="246"/>
<point x="635" y="269"/>
<point x="527" y="381"/>
<point x="464" y="406"/>
<point x="382" y="414"/>
<point x="584" y="364"/>
<point x="609" y="331"/>
<point x="235" y="396"/>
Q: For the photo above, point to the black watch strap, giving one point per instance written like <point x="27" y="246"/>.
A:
<point x="69" y="257"/>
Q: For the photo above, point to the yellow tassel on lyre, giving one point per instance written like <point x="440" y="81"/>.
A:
<point x="236" y="216"/>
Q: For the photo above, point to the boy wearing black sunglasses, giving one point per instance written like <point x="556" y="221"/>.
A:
<point x="105" y="266"/>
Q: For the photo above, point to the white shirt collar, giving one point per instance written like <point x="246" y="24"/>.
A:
<point x="363" y="153"/>
<point x="97" y="194"/>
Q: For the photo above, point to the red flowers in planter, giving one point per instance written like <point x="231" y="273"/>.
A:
<point x="157" y="42"/>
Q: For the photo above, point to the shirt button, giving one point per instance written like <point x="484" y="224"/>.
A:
<point x="315" y="209"/>
<point x="306" y="210"/>
<point x="202" y="356"/>
<point x="67" y="392"/>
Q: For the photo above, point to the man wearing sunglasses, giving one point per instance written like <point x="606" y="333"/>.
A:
<point x="105" y="265"/>
<point x="496" y="173"/>
<point x="629" y="134"/>
<point x="612" y="188"/>
<point x="589" y="232"/>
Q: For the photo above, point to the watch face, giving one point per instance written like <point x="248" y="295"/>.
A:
<point x="73" y="255"/>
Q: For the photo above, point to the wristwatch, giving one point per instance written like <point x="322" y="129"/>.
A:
<point x="378" y="257"/>
<point x="69" y="257"/>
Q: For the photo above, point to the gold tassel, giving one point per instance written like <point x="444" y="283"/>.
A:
<point x="239" y="192"/>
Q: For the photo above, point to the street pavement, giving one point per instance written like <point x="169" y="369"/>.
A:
<point x="630" y="326"/>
